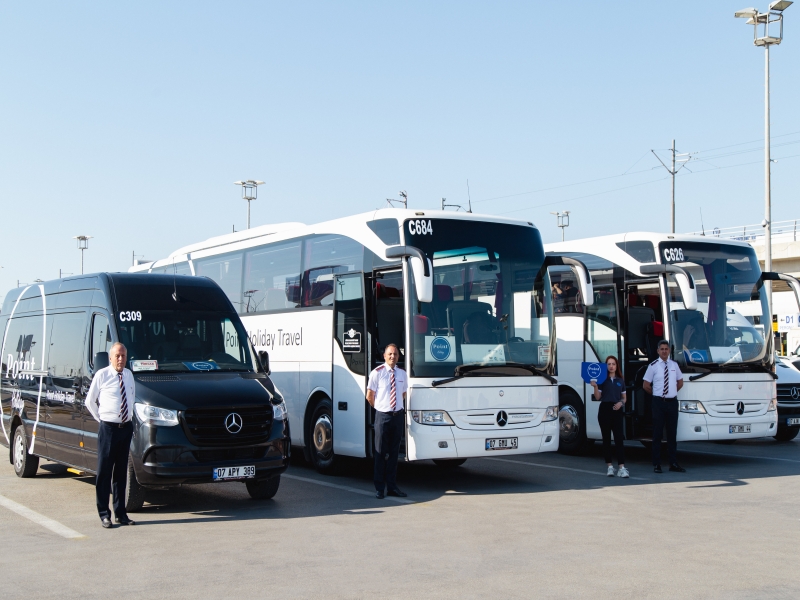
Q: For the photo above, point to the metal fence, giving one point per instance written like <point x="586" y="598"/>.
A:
<point x="782" y="231"/>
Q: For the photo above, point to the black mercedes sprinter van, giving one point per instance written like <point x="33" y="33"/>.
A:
<point x="205" y="407"/>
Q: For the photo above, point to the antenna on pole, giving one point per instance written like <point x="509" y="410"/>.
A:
<point x="673" y="171"/>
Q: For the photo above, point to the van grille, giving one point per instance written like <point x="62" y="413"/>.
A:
<point x="206" y="426"/>
<point x="785" y="393"/>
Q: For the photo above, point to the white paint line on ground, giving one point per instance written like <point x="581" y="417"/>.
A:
<point x="530" y="464"/>
<point x="347" y="489"/>
<point x="738" y="455"/>
<point x="45" y="522"/>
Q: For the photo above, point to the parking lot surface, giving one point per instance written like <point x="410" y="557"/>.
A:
<point x="541" y="526"/>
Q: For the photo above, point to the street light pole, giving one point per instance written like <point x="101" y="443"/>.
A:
<point x="83" y="244"/>
<point x="562" y="221"/>
<point x="249" y="193"/>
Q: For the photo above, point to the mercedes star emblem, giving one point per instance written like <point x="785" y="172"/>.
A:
<point x="502" y="418"/>
<point x="740" y="408"/>
<point x="233" y="423"/>
<point x="795" y="393"/>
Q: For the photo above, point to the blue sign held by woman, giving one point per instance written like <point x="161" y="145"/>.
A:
<point x="594" y="370"/>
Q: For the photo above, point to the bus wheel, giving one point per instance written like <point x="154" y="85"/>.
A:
<point x="572" y="428"/>
<point x="449" y="463"/>
<point x="264" y="489"/>
<point x="787" y="434"/>
<point x="322" y="437"/>
<point x="134" y="492"/>
<point x="25" y="465"/>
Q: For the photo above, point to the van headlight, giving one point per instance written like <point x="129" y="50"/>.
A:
<point x="773" y="405"/>
<point x="551" y="414"/>
<point x="692" y="406"/>
<point x="153" y="415"/>
<point x="279" y="412"/>
<point x="431" y="417"/>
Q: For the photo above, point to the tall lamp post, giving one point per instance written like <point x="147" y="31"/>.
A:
<point x="249" y="193"/>
<point x="771" y="23"/>
<point x="562" y="221"/>
<point x="83" y="244"/>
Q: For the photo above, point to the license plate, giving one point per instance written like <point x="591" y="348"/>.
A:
<point x="739" y="429"/>
<point x="793" y="421"/>
<point x="501" y="443"/>
<point x="225" y="473"/>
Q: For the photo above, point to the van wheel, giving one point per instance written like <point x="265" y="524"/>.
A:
<point x="786" y="434"/>
<point x="571" y="424"/>
<point x="263" y="489"/>
<point x="134" y="492"/>
<point x="321" y="446"/>
<point x="25" y="465"/>
<point x="449" y="463"/>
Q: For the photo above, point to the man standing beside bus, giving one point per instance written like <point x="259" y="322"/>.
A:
<point x="386" y="393"/>
<point x="110" y="400"/>
<point x="662" y="380"/>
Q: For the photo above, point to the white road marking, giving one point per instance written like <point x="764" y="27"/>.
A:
<point x="530" y="464"/>
<point x="347" y="489"/>
<point x="45" y="522"/>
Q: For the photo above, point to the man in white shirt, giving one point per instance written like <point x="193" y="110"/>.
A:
<point x="662" y="380"/>
<point x="110" y="400"/>
<point x="386" y="393"/>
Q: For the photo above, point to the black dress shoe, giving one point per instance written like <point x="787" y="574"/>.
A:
<point x="379" y="494"/>
<point x="396" y="492"/>
<point x="126" y="521"/>
<point x="675" y="467"/>
<point x="657" y="469"/>
<point x="106" y="523"/>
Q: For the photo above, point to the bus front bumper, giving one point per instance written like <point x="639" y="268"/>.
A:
<point x="704" y="427"/>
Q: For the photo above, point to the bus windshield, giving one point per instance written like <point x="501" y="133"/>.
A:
<point x="197" y="332"/>
<point x="729" y="323"/>
<point x="489" y="308"/>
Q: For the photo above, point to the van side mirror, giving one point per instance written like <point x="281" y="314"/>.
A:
<point x="100" y="361"/>
<point x="263" y="356"/>
<point x="421" y="268"/>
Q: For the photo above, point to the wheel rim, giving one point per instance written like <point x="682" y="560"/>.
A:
<point x="19" y="452"/>
<point x="323" y="436"/>
<point x="569" y="423"/>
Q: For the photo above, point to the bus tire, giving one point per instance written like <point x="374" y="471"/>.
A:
<point x="263" y="489"/>
<point x="321" y="435"/>
<point x="134" y="492"/>
<point x="449" y="463"/>
<point x="786" y="434"/>
<point x="25" y="465"/>
<point x="571" y="423"/>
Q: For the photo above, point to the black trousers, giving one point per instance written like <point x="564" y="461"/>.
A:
<point x="665" y="412"/>
<point x="611" y="421"/>
<point x="388" y="435"/>
<point x="113" y="444"/>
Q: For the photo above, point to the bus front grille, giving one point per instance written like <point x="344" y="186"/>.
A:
<point x="217" y="426"/>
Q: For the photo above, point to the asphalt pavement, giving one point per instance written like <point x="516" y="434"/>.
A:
<point x="534" y="526"/>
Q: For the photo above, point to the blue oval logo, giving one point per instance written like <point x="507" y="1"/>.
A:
<point x="203" y="366"/>
<point x="440" y="348"/>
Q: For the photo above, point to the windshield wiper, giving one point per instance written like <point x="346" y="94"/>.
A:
<point x="475" y="371"/>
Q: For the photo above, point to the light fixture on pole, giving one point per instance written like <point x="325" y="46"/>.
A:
<point x="562" y="220"/>
<point x="83" y="244"/>
<point x="404" y="200"/>
<point x="249" y="193"/>
<point x="771" y="23"/>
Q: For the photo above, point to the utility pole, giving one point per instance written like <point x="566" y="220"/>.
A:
<point x="673" y="171"/>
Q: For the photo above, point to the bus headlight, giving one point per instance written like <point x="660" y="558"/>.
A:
<point x="551" y="414"/>
<point x="152" y="415"/>
<point x="692" y="406"/>
<point x="431" y="417"/>
<point x="773" y="405"/>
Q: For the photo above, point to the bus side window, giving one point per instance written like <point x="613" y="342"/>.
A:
<point x="101" y="336"/>
<point x="326" y="256"/>
<point x="226" y="271"/>
<point x="272" y="277"/>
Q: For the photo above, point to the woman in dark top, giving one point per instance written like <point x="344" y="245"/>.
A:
<point x="611" y="394"/>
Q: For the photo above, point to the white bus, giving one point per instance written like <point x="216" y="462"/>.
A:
<point x="706" y="297"/>
<point x="466" y="298"/>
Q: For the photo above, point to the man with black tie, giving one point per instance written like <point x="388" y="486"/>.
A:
<point x="110" y="400"/>
<point x="386" y="393"/>
<point x="662" y="380"/>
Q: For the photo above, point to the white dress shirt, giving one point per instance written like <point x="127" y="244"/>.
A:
<point x="655" y="376"/>
<point x="104" y="399"/>
<point x="380" y="382"/>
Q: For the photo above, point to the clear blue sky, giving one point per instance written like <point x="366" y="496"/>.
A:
<point x="130" y="121"/>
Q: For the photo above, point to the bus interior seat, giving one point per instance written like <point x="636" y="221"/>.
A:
<point x="460" y="311"/>
<point x="639" y="323"/>
<point x="436" y="311"/>
<point x="653" y="301"/>
<point x="318" y="292"/>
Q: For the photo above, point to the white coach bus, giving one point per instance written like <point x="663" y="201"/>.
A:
<point x="706" y="297"/>
<point x="466" y="298"/>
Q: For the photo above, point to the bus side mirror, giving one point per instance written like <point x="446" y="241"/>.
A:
<point x="263" y="356"/>
<point x="682" y="277"/>
<point x="792" y="281"/>
<point x="100" y="361"/>
<point x="584" y="283"/>
<point x="421" y="268"/>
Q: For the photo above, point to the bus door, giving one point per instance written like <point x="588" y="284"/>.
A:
<point x="644" y="329"/>
<point x="349" y="369"/>
<point x="603" y="340"/>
